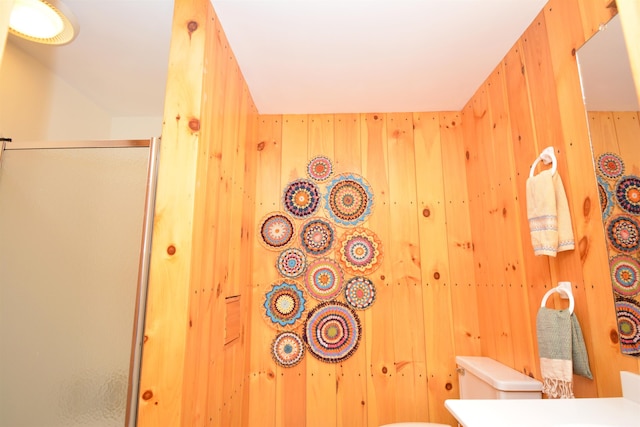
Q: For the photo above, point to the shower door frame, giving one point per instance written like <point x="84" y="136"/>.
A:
<point x="137" y="336"/>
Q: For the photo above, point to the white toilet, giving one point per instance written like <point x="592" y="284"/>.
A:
<point x="485" y="378"/>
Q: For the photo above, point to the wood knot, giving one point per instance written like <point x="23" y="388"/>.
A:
<point x="586" y="207"/>
<point x="426" y="212"/>
<point x="194" y="125"/>
<point x="261" y="145"/>
<point x="147" y="395"/>
<point x="466" y="154"/>
<point x="382" y="277"/>
<point x="436" y="275"/>
<point x="375" y="117"/>
<point x="192" y="26"/>
<point x="384" y="370"/>
<point x="171" y="250"/>
<point x="573" y="52"/>
<point x="613" y="336"/>
<point x="448" y="386"/>
<point x="583" y="247"/>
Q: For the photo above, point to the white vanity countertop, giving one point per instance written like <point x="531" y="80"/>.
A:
<point x="597" y="412"/>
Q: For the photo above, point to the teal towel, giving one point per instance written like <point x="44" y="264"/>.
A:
<point x="562" y="351"/>
<point x="579" y="350"/>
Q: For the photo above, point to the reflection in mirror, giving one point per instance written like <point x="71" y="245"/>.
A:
<point x="614" y="127"/>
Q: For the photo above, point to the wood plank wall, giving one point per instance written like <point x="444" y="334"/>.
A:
<point x="400" y="372"/>
<point x="458" y="277"/>
<point x="533" y="100"/>
<point x="197" y="322"/>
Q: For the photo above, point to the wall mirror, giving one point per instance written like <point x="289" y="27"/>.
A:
<point x="614" y="126"/>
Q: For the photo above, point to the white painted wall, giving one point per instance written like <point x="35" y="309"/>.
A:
<point x="37" y="105"/>
<point x="135" y="127"/>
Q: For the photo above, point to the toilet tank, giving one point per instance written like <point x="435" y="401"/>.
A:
<point x="485" y="378"/>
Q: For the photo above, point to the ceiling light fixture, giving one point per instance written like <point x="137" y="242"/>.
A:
<point x="43" y="21"/>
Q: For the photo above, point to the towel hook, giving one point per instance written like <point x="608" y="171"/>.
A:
<point x="562" y="288"/>
<point x="547" y="156"/>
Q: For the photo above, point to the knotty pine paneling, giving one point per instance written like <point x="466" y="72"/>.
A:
<point x="259" y="406"/>
<point x="381" y="390"/>
<point x="458" y="276"/>
<point x="352" y="374"/>
<point x="434" y="265"/>
<point x="387" y="379"/>
<point x="535" y="92"/>
<point x="205" y="200"/>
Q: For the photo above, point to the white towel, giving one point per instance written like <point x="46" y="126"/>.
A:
<point x="548" y="214"/>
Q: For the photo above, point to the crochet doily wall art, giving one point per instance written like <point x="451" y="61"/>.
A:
<point x="332" y="331"/>
<point x="628" y="315"/>
<point x="348" y="200"/>
<point x="291" y="263"/>
<point x="285" y="304"/>
<point x="610" y="165"/>
<point x="320" y="239"/>
<point x="624" y="234"/>
<point x="606" y="197"/>
<point x="276" y="231"/>
<point x="625" y="274"/>
<point x="317" y="236"/>
<point x="324" y="279"/>
<point x="359" y="251"/>
<point x="287" y="349"/>
<point x="359" y="292"/>
<point x="320" y="168"/>
<point x="301" y="198"/>
<point x="628" y="194"/>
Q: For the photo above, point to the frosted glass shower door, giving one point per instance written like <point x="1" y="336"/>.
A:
<point x="70" y="236"/>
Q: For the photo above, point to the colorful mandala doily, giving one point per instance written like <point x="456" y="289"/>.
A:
<point x="610" y="165"/>
<point x="276" y="231"/>
<point x="628" y="315"/>
<point x="317" y="236"/>
<point x="359" y="251"/>
<point x="287" y="349"/>
<point x="623" y="234"/>
<point x="349" y="200"/>
<point x="320" y="168"/>
<point x="625" y="272"/>
<point x="291" y="263"/>
<point x="285" y="304"/>
<point x="301" y="198"/>
<point x="324" y="279"/>
<point x="628" y="194"/>
<point x="359" y="292"/>
<point x="606" y="197"/>
<point x="332" y="332"/>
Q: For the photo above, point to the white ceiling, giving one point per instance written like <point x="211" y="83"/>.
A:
<point x="300" y="56"/>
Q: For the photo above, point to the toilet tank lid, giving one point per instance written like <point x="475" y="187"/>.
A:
<point x="499" y="376"/>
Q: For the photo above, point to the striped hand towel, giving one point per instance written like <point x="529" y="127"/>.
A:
<point x="562" y="352"/>
<point x="548" y="214"/>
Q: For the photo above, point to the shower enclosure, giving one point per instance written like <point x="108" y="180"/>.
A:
<point x="75" y="222"/>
